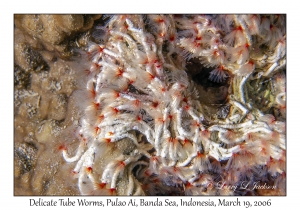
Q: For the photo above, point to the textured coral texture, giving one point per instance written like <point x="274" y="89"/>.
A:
<point x="150" y="105"/>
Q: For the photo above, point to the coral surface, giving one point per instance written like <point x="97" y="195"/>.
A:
<point x="171" y="105"/>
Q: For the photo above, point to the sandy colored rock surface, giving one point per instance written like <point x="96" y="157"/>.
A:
<point x="53" y="32"/>
<point x="44" y="80"/>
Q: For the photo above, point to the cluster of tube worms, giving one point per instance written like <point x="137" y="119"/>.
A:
<point x="144" y="131"/>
